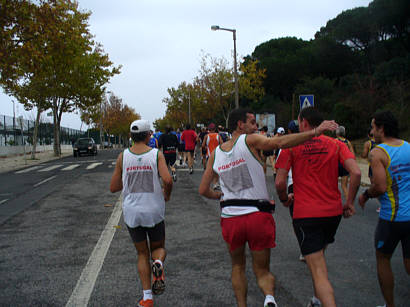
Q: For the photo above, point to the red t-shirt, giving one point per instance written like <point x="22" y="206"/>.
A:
<point x="315" y="176"/>
<point x="189" y="137"/>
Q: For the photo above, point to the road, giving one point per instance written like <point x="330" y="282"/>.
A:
<point x="63" y="243"/>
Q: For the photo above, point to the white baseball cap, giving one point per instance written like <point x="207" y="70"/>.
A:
<point x="140" y="125"/>
<point x="281" y="130"/>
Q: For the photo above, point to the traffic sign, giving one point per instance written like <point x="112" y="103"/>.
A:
<point x="306" y="101"/>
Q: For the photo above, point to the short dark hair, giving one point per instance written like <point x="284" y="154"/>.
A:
<point x="312" y="115"/>
<point x="388" y="121"/>
<point x="188" y="126"/>
<point x="139" y="137"/>
<point x="168" y="130"/>
<point x="236" y="115"/>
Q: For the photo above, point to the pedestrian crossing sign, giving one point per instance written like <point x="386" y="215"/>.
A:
<point x="306" y="101"/>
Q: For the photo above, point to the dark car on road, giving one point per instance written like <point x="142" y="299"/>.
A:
<point x="84" y="146"/>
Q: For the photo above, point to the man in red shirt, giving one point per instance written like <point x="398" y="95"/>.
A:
<point x="317" y="202"/>
<point x="189" y="136"/>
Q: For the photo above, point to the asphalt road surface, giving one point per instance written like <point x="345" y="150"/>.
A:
<point x="63" y="243"/>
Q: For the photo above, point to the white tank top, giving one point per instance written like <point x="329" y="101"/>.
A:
<point x="143" y="201"/>
<point x="241" y="176"/>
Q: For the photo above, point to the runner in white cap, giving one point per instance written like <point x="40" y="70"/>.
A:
<point x="137" y="174"/>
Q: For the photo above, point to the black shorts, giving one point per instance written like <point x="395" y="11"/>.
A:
<point x="156" y="233"/>
<point x="268" y="153"/>
<point x="389" y="234"/>
<point x="314" y="234"/>
<point x="181" y="147"/>
<point x="170" y="158"/>
<point x="203" y="151"/>
<point x="190" y="150"/>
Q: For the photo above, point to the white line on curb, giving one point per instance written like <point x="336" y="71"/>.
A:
<point x="44" y="181"/>
<point x="85" y="285"/>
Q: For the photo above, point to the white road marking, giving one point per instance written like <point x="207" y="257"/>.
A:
<point x="85" y="285"/>
<point x="3" y="201"/>
<point x="93" y="165"/>
<point x="27" y="170"/>
<point x="71" y="167"/>
<point x="113" y="163"/>
<point x="50" y="168"/>
<point x="44" y="181"/>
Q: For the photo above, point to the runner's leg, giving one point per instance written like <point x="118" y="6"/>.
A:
<point x="143" y="265"/>
<point x="260" y="264"/>
<point x="238" y="277"/>
<point x="323" y="289"/>
<point x="385" y="276"/>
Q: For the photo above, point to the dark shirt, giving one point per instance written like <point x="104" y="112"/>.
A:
<point x="168" y="142"/>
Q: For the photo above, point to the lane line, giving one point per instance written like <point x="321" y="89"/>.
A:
<point x="50" y="168"/>
<point x="44" y="181"/>
<point x="3" y="201"/>
<point x="71" y="167"/>
<point x="85" y="284"/>
<point x="93" y="165"/>
<point x="27" y="170"/>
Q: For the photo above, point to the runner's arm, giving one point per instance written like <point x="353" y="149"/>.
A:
<point x="351" y="148"/>
<point x="261" y="142"/>
<point x="378" y="163"/>
<point x="365" y="152"/>
<point x="281" y="187"/>
<point x="116" y="179"/>
<point x="355" y="174"/>
<point x="209" y="174"/>
<point x="165" y="176"/>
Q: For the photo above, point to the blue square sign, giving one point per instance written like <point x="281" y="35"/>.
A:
<point x="306" y="101"/>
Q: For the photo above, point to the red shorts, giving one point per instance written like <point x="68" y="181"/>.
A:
<point x="258" y="229"/>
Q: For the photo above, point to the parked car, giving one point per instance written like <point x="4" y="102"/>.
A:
<point x="84" y="146"/>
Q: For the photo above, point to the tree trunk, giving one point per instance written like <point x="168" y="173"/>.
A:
<point x="35" y="133"/>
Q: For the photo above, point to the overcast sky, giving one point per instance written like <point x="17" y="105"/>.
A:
<point x="159" y="42"/>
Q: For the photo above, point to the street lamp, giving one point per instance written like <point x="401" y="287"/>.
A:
<point x="215" y="28"/>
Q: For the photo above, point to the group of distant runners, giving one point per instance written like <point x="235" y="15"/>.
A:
<point x="307" y="166"/>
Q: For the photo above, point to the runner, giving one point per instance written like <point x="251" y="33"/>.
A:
<point x="181" y="149"/>
<point x="390" y="163"/>
<point x="189" y="137"/>
<point x="168" y="142"/>
<point x="153" y="142"/>
<point x="246" y="209"/>
<point x="211" y="141"/>
<point x="340" y="136"/>
<point x="201" y="137"/>
<point x="136" y="174"/>
<point x="317" y="205"/>
<point x="367" y="148"/>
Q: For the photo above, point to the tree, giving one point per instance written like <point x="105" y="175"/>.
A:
<point x="54" y="61"/>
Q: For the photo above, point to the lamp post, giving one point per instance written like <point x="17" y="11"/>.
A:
<point x="216" y="28"/>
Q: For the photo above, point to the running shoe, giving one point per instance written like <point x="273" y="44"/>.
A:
<point x="271" y="305"/>
<point x="145" y="303"/>
<point x="174" y="176"/>
<point x="313" y="304"/>
<point x="191" y="170"/>
<point x="158" y="278"/>
<point x="301" y="258"/>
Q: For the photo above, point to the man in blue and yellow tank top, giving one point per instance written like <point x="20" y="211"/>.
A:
<point x="390" y="163"/>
